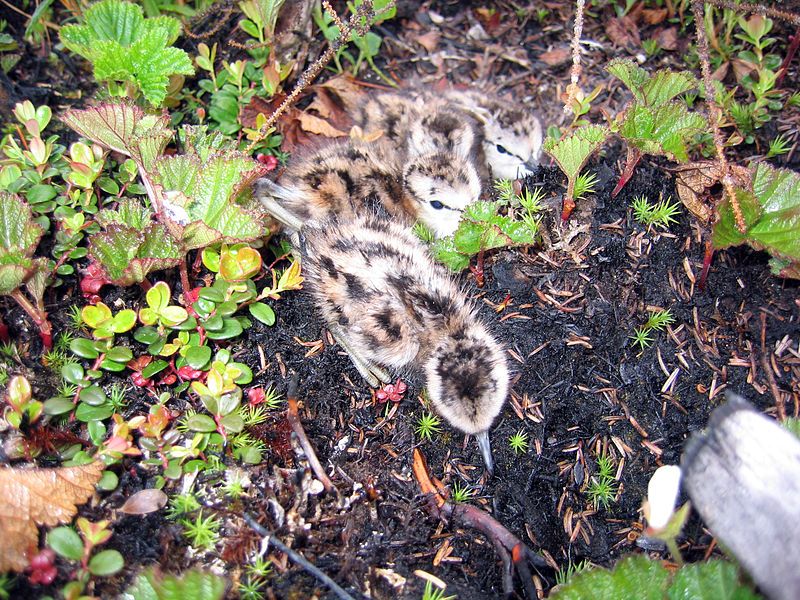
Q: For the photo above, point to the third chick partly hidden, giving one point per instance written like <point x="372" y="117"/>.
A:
<point x="389" y="305"/>
<point x="507" y="138"/>
<point x="428" y="174"/>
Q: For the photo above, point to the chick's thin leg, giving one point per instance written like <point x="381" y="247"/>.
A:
<point x="370" y="372"/>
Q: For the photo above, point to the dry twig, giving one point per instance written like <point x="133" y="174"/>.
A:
<point x="513" y="552"/>
<point x="293" y="417"/>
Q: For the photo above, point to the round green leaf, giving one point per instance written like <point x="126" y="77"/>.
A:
<point x="111" y="365"/>
<point x="211" y="294"/>
<point x="187" y="325"/>
<point x="233" y="422"/>
<point x="119" y="354"/>
<point x="213" y="323"/>
<point x="262" y="312"/>
<point x="73" y="373"/>
<point x="86" y="412"/>
<point x="65" y="542"/>
<point x="246" y="375"/>
<point x="97" y="432"/>
<point x="108" y="481"/>
<point x="146" y="335"/>
<point x="93" y="395"/>
<point x="124" y="321"/>
<point x="201" y="423"/>
<point x="58" y="406"/>
<point x="227" y="308"/>
<point x="154" y="367"/>
<point x="231" y="328"/>
<point x="172" y="315"/>
<point x="105" y="563"/>
<point x="197" y="357"/>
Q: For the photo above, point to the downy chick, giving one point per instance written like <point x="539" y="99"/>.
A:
<point x="389" y="305"/>
<point x="351" y="178"/>
<point x="506" y="137"/>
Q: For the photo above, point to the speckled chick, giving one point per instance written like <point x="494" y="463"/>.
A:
<point x="390" y="306"/>
<point x="505" y="136"/>
<point x="511" y="135"/>
<point x="351" y="178"/>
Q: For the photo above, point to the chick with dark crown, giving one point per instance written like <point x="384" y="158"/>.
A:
<point x="506" y="137"/>
<point x="390" y="306"/>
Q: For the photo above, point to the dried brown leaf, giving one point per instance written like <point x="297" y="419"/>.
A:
<point x="668" y="38"/>
<point x="556" y="57"/>
<point x="691" y="182"/>
<point x="312" y="124"/>
<point x="429" y="41"/>
<point x="144" y="502"/>
<point x="32" y="497"/>
<point x="654" y="16"/>
<point x="623" y="32"/>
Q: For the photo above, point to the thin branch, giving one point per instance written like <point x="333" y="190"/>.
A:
<point x="575" y="72"/>
<point x="297" y="558"/>
<point x="359" y="22"/>
<point x="513" y="552"/>
<point x="715" y="113"/>
<point x="760" y="9"/>
<point x="293" y="417"/>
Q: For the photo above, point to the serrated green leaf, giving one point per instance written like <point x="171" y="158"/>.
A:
<point x="117" y="126"/>
<point x="663" y="131"/>
<point x="124" y="46"/>
<point x="712" y="580"/>
<point x="771" y="213"/>
<point x="572" y="152"/>
<point x="128" y="256"/>
<point x="633" y="577"/>
<point x="651" y="90"/>
<point x="129" y="212"/>
<point x="19" y="236"/>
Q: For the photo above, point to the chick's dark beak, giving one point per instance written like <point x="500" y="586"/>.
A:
<point x="486" y="450"/>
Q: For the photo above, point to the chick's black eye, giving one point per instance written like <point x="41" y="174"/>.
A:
<point x="437" y="205"/>
<point x="502" y="149"/>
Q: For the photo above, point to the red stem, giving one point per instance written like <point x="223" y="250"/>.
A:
<point x="707" y="257"/>
<point x="631" y="160"/>
<point x="794" y="44"/>
<point x="39" y="317"/>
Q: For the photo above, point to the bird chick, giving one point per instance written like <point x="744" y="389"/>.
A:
<point x="351" y="178"/>
<point x="512" y="136"/>
<point x="390" y="306"/>
<point x="504" y="136"/>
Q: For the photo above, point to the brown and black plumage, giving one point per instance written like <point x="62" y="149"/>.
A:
<point x="390" y="306"/>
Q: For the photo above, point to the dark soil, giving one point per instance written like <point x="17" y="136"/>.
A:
<point x="565" y="312"/>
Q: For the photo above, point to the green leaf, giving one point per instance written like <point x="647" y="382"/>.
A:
<point x="153" y="368"/>
<point x="120" y="354"/>
<point x="663" y="131"/>
<point x="124" y="46"/>
<point x="712" y="580"/>
<point x="86" y="412"/>
<point x="128" y="256"/>
<point x="120" y="126"/>
<point x="19" y="236"/>
<point x="771" y="212"/>
<point x="632" y="577"/>
<point x="58" y="406"/>
<point x="84" y="348"/>
<point x="572" y="151"/>
<point x="262" y="312"/>
<point x="231" y="328"/>
<point x="105" y="563"/>
<point x="65" y="542"/>
<point x="651" y="90"/>
<point x="152" y="585"/>
<point x="232" y="422"/>
<point x="209" y="189"/>
<point x="73" y="373"/>
<point x="201" y="423"/>
<point x="197" y="357"/>
<point x="93" y="395"/>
